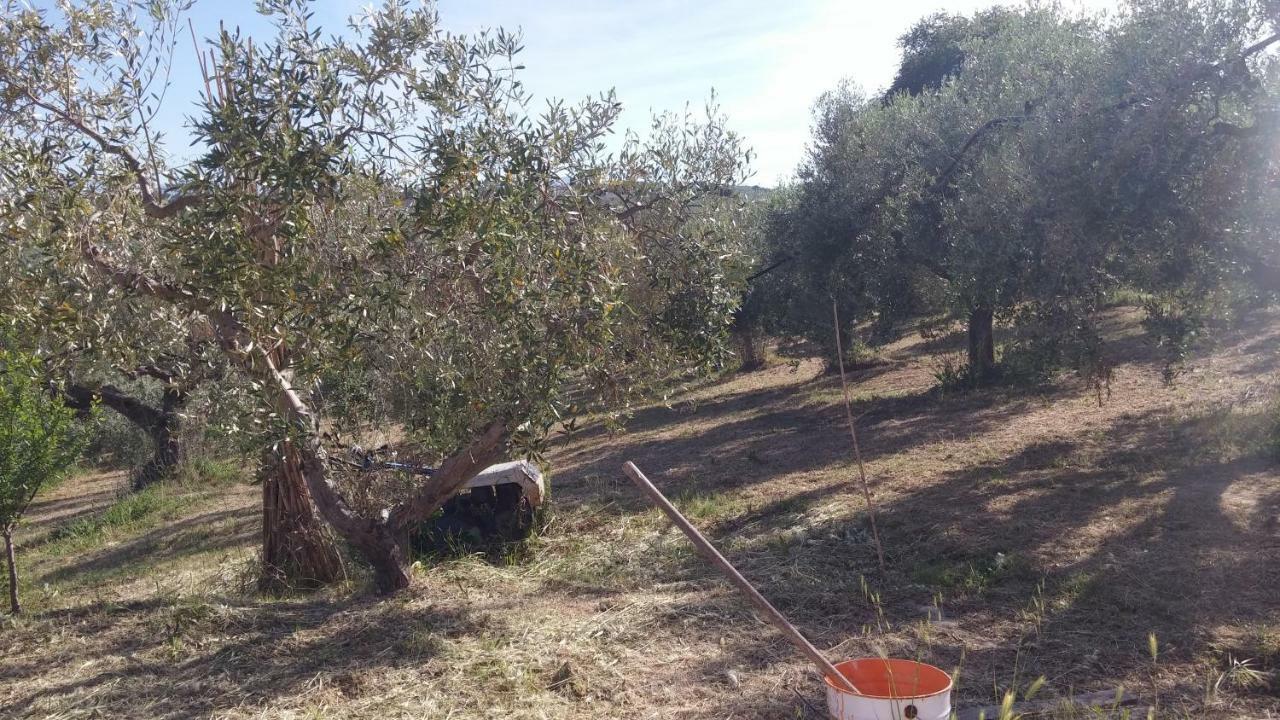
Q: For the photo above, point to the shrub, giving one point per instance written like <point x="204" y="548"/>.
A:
<point x="39" y="442"/>
<point x="951" y="372"/>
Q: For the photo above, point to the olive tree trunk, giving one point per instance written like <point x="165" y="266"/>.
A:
<point x="386" y="550"/>
<point x="161" y="424"/>
<point x="13" y="571"/>
<point x="383" y="541"/>
<point x="982" y="346"/>
<point x="165" y="434"/>
<point x="297" y="553"/>
<point x="749" y="342"/>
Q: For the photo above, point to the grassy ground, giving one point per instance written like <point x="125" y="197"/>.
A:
<point x="1027" y="534"/>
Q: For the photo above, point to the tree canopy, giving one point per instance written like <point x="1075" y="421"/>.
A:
<point x="386" y="204"/>
<point x="1062" y="158"/>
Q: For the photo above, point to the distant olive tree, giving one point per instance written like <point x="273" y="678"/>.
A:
<point x="39" y="441"/>
<point x="1049" y="159"/>
<point x="148" y="381"/>
<point x="385" y="204"/>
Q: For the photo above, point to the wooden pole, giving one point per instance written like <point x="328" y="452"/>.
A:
<point x="709" y="551"/>
<point x="853" y="434"/>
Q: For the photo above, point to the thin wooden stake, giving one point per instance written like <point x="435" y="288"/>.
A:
<point x="853" y="434"/>
<point x="709" y="552"/>
<point x="204" y="70"/>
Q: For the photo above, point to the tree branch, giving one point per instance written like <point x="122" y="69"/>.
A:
<point x="315" y="472"/>
<point x="451" y="476"/>
<point x="228" y="330"/>
<point x="973" y="139"/>
<point x="1245" y="54"/>
<point x="165" y="376"/>
<point x="153" y="207"/>
<point x="138" y="282"/>
<point x="786" y="258"/>
<point x="81" y="397"/>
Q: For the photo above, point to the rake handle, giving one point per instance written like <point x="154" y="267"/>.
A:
<point x="709" y="552"/>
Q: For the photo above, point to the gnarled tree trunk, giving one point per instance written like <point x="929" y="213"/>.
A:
<point x="982" y="345"/>
<point x="161" y="424"/>
<point x="383" y="541"/>
<point x="297" y="553"/>
<point x="291" y="550"/>
<point x="387" y="552"/>
<point x="169" y="451"/>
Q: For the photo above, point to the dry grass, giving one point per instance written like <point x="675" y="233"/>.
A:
<point x="1026" y="535"/>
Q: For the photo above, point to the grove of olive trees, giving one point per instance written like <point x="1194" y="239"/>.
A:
<point x="1025" y="163"/>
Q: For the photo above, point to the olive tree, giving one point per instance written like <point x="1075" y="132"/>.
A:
<point x="1056" y="157"/>
<point x="108" y="350"/>
<point x="385" y="201"/>
<point x="39" y="440"/>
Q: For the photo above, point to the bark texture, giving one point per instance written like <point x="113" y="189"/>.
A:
<point x="982" y="344"/>
<point x="14" y="606"/>
<point x="297" y="553"/>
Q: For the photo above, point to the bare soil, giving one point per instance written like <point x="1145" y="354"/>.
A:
<point x="1028" y="533"/>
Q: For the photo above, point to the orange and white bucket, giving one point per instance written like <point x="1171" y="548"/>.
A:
<point x="891" y="690"/>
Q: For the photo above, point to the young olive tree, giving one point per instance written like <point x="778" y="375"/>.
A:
<point x="39" y="440"/>
<point x="384" y="202"/>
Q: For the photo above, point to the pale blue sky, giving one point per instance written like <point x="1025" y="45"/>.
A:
<point x="768" y="60"/>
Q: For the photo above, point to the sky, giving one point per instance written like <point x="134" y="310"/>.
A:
<point x="766" y="60"/>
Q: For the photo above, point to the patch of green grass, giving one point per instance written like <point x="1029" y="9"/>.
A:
<point x="1072" y="589"/>
<point x="135" y="511"/>
<point x="973" y="576"/>
<point x="708" y="506"/>
<point x="1125" y="297"/>
<point x="1229" y="432"/>
<point x="209" y="472"/>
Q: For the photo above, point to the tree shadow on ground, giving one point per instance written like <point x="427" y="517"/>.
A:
<point x="47" y="515"/>
<point x="1178" y="565"/>
<point x="280" y="649"/>
<point x="1117" y="530"/>
<point x="77" y="504"/>
<point x="778" y="434"/>
<point x="207" y="532"/>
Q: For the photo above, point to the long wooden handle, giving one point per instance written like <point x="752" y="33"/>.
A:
<point x="709" y="551"/>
